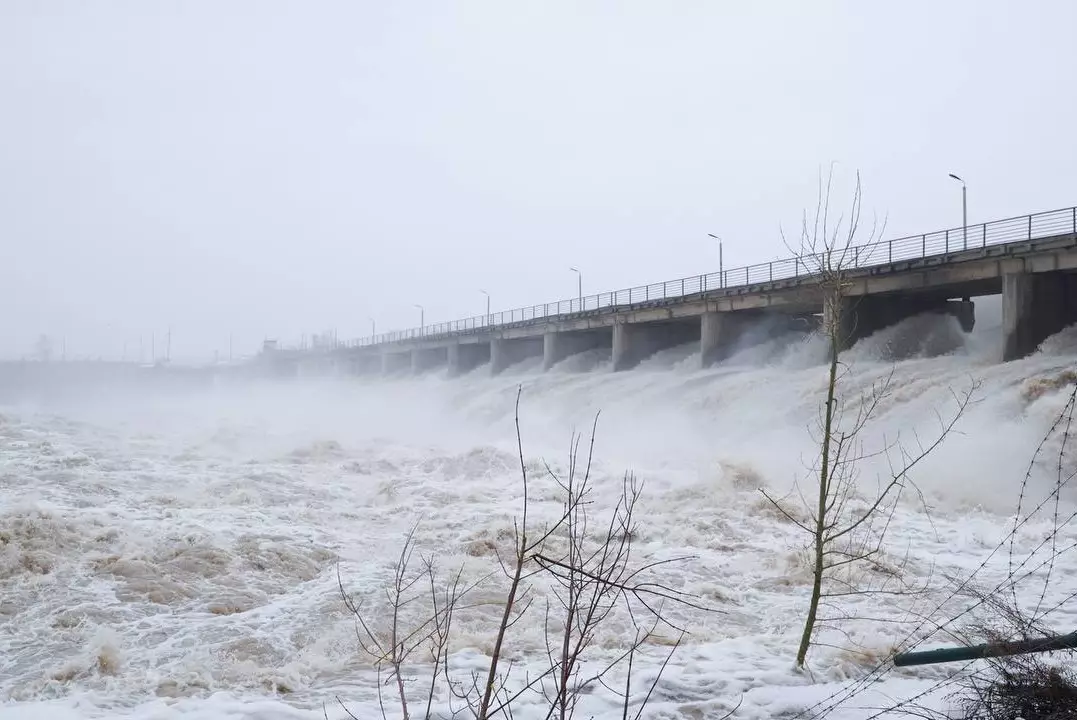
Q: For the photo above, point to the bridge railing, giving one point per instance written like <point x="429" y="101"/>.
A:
<point x="914" y="247"/>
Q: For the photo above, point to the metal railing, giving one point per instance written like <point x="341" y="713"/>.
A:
<point x="914" y="247"/>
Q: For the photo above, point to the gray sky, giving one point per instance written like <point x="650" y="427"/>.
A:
<point x="277" y="168"/>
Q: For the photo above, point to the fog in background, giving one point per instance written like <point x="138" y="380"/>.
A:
<point x="269" y="169"/>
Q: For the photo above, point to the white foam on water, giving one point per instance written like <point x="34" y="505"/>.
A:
<point x="175" y="556"/>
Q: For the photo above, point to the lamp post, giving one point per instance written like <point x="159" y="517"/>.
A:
<point x="487" y="306"/>
<point x="579" y="286"/>
<point x="721" y="269"/>
<point x="422" y="319"/>
<point x="964" y="210"/>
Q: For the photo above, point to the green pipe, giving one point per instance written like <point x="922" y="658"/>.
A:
<point x="987" y="650"/>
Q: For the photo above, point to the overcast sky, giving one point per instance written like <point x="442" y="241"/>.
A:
<point x="278" y="168"/>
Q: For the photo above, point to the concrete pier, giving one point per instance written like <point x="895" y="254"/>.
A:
<point x="463" y="358"/>
<point x="718" y="332"/>
<point x="1034" y="307"/>
<point x="623" y="349"/>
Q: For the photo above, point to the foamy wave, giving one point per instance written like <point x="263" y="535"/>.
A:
<point x="35" y="542"/>
<point x="320" y="451"/>
<point x="590" y="361"/>
<point x="921" y="336"/>
<point x="1061" y="344"/>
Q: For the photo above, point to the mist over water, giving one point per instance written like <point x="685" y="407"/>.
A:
<point x="171" y="549"/>
<point x="188" y="184"/>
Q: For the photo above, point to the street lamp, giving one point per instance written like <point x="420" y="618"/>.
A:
<point x="721" y="271"/>
<point x="579" y="286"/>
<point x="422" y="318"/>
<point x="964" y="209"/>
<point x="487" y="305"/>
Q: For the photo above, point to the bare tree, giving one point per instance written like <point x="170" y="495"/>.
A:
<point x="846" y="528"/>
<point x="593" y="577"/>
<point x="389" y="646"/>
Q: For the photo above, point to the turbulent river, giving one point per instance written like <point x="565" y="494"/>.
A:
<point x="178" y="553"/>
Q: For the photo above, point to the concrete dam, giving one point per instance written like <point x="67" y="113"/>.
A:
<point x="1031" y="261"/>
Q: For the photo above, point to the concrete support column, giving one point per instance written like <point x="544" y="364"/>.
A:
<point x="499" y="359"/>
<point x="553" y="349"/>
<point x="416" y="362"/>
<point x="717" y="333"/>
<point x="1034" y="307"/>
<point x="1018" y="325"/>
<point x="625" y="350"/>
<point x="454" y="360"/>
<point x="842" y="320"/>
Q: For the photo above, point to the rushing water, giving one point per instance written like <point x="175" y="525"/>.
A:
<point x="174" y="552"/>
